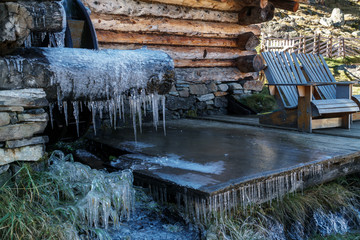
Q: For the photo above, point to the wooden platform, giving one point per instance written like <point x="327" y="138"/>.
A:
<point x="215" y="161"/>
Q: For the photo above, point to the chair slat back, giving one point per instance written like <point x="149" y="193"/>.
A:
<point x="282" y="70"/>
<point x="318" y="71"/>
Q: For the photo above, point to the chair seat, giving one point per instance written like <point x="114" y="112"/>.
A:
<point x="332" y="106"/>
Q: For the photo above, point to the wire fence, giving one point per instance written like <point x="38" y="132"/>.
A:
<point x="327" y="46"/>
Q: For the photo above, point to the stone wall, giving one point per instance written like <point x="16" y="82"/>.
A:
<point x="22" y="123"/>
<point x="204" y="91"/>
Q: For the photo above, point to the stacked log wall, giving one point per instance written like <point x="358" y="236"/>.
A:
<point x="212" y="43"/>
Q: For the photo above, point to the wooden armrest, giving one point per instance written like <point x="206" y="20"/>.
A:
<point x="312" y="83"/>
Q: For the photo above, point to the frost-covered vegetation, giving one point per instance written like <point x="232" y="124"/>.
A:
<point x="68" y="201"/>
<point x="329" y="211"/>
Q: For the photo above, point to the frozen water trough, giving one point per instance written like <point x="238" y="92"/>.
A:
<point x="100" y="80"/>
<point x="209" y="167"/>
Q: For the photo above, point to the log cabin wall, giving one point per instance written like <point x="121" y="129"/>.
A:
<point x="212" y="43"/>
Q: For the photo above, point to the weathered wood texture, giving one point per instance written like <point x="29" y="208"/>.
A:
<point x="133" y="8"/>
<point x="171" y="26"/>
<point x="179" y="52"/>
<point x="217" y="74"/>
<point x="228" y="5"/>
<point x="195" y="33"/>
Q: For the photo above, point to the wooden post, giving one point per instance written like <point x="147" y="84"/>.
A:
<point x="304" y="44"/>
<point x="343" y="46"/>
<point x="318" y="43"/>
<point x="330" y="47"/>
<point x="304" y="108"/>
<point x="314" y="45"/>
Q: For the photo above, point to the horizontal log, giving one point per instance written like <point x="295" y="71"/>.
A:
<point x="217" y="74"/>
<point x="228" y="5"/>
<point x="192" y="53"/>
<point x="253" y="15"/>
<point x="286" y="5"/>
<point x="185" y="63"/>
<point x="252" y="63"/>
<point x="246" y="41"/>
<point x="171" y="26"/>
<point x="74" y="74"/>
<point x="135" y="8"/>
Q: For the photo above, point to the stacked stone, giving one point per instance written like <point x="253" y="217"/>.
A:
<point x="207" y="98"/>
<point x="22" y="122"/>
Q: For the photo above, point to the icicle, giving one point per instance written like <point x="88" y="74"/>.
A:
<point x="93" y="113"/>
<point x="163" y="99"/>
<point x="76" y="115"/>
<point x="66" y="112"/>
<point x="51" y="107"/>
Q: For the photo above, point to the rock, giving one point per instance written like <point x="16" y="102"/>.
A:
<point x="326" y="22"/>
<point x="201" y="105"/>
<point x="176" y="103"/>
<point x="26" y="142"/>
<point x="19" y="131"/>
<point x="223" y="87"/>
<point x="235" y="86"/>
<point x="4" y="168"/>
<point x="212" y="87"/>
<point x="220" y="102"/>
<point x="210" y="102"/>
<point x="220" y="94"/>
<point x="238" y="92"/>
<point x="11" y="109"/>
<point x="253" y="85"/>
<point x="198" y="89"/>
<point x="25" y="117"/>
<point x="4" y="118"/>
<point x="15" y="24"/>
<point x="206" y="97"/>
<point x="337" y="17"/>
<point x="28" y="153"/>
<point x="184" y="93"/>
<point x="356" y="34"/>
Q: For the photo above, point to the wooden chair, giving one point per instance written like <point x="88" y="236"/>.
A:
<point x="297" y="97"/>
<point x="317" y="70"/>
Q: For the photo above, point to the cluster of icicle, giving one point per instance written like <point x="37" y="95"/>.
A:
<point x="201" y="209"/>
<point x="115" y="108"/>
<point x="104" y="198"/>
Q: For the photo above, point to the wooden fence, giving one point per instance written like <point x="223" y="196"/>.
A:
<point x="327" y="46"/>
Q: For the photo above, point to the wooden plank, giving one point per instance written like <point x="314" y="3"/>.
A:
<point x="163" y="39"/>
<point x="338" y="110"/>
<point x="228" y="5"/>
<point x="180" y="52"/>
<point x="171" y="26"/>
<point x="332" y="101"/>
<point x="135" y="8"/>
<point x="186" y="63"/>
<point x="326" y="123"/>
<point x="216" y="74"/>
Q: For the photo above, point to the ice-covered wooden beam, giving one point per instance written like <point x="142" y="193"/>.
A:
<point x="81" y="74"/>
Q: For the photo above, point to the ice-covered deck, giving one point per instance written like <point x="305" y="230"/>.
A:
<point x="217" y="165"/>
